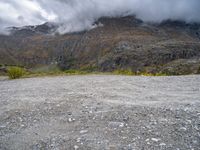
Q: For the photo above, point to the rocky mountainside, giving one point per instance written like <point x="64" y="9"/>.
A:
<point x="117" y="43"/>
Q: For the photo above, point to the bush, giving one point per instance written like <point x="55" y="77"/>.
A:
<point x="15" y="72"/>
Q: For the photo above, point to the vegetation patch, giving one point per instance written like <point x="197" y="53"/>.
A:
<point x="129" y="72"/>
<point x="16" y="72"/>
<point x="75" y="72"/>
<point x="124" y="72"/>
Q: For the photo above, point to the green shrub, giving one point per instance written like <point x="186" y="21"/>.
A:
<point x="15" y="72"/>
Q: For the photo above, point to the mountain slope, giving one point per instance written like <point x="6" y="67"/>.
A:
<point x="117" y="43"/>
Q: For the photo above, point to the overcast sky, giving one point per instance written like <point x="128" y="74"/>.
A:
<point x="76" y="15"/>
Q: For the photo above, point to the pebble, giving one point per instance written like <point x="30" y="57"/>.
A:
<point x="2" y="126"/>
<point x="121" y="125"/>
<point x="183" y="128"/>
<point x="116" y="125"/>
<point x="78" y="140"/>
<point x="162" y="144"/>
<point x="155" y="139"/>
<point x="147" y="140"/>
<point x="71" y="119"/>
<point x="83" y="131"/>
<point x="76" y="147"/>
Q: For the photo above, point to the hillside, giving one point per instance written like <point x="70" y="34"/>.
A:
<point x="117" y="43"/>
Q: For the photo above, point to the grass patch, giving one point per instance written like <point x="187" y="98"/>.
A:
<point x="129" y="72"/>
<point x="152" y="74"/>
<point x="76" y="72"/>
<point x="53" y="70"/>
<point x="15" y="72"/>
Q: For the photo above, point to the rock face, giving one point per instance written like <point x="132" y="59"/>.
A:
<point x="117" y="43"/>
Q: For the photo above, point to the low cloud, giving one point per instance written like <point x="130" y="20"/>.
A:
<point x="77" y="15"/>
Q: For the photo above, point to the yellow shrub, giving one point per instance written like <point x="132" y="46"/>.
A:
<point x="15" y="72"/>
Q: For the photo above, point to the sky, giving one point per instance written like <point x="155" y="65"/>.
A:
<point x="77" y="15"/>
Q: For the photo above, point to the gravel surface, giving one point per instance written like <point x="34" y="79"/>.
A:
<point x="100" y="112"/>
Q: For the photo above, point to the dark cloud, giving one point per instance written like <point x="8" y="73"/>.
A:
<point x="76" y="15"/>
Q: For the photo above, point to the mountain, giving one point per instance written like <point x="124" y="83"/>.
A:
<point x="116" y="43"/>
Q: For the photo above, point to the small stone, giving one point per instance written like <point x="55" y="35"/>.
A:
<point x="78" y="140"/>
<point x="71" y="119"/>
<point x="125" y="119"/>
<point x="112" y="147"/>
<point x="69" y="113"/>
<point x="162" y="144"/>
<point x="116" y="125"/>
<point x="2" y="126"/>
<point x="76" y="147"/>
<point x="147" y="140"/>
<point x="83" y="131"/>
<point x="121" y="125"/>
<point x="155" y="139"/>
<point x="183" y="128"/>
<point x="189" y="121"/>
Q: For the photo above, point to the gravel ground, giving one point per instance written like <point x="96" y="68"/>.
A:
<point x="100" y="112"/>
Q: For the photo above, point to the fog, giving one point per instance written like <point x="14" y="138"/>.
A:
<point x="77" y="15"/>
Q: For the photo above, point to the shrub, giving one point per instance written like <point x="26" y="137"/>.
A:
<point x="15" y="72"/>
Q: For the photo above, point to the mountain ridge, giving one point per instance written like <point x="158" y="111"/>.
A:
<point x="117" y="43"/>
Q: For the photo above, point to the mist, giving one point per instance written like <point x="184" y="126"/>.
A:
<point x="78" y="15"/>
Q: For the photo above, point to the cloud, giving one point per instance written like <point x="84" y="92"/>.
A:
<point x="77" y="15"/>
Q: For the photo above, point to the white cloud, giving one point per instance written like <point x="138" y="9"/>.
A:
<point x="76" y="15"/>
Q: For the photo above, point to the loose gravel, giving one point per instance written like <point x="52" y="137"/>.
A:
<point x="100" y="112"/>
